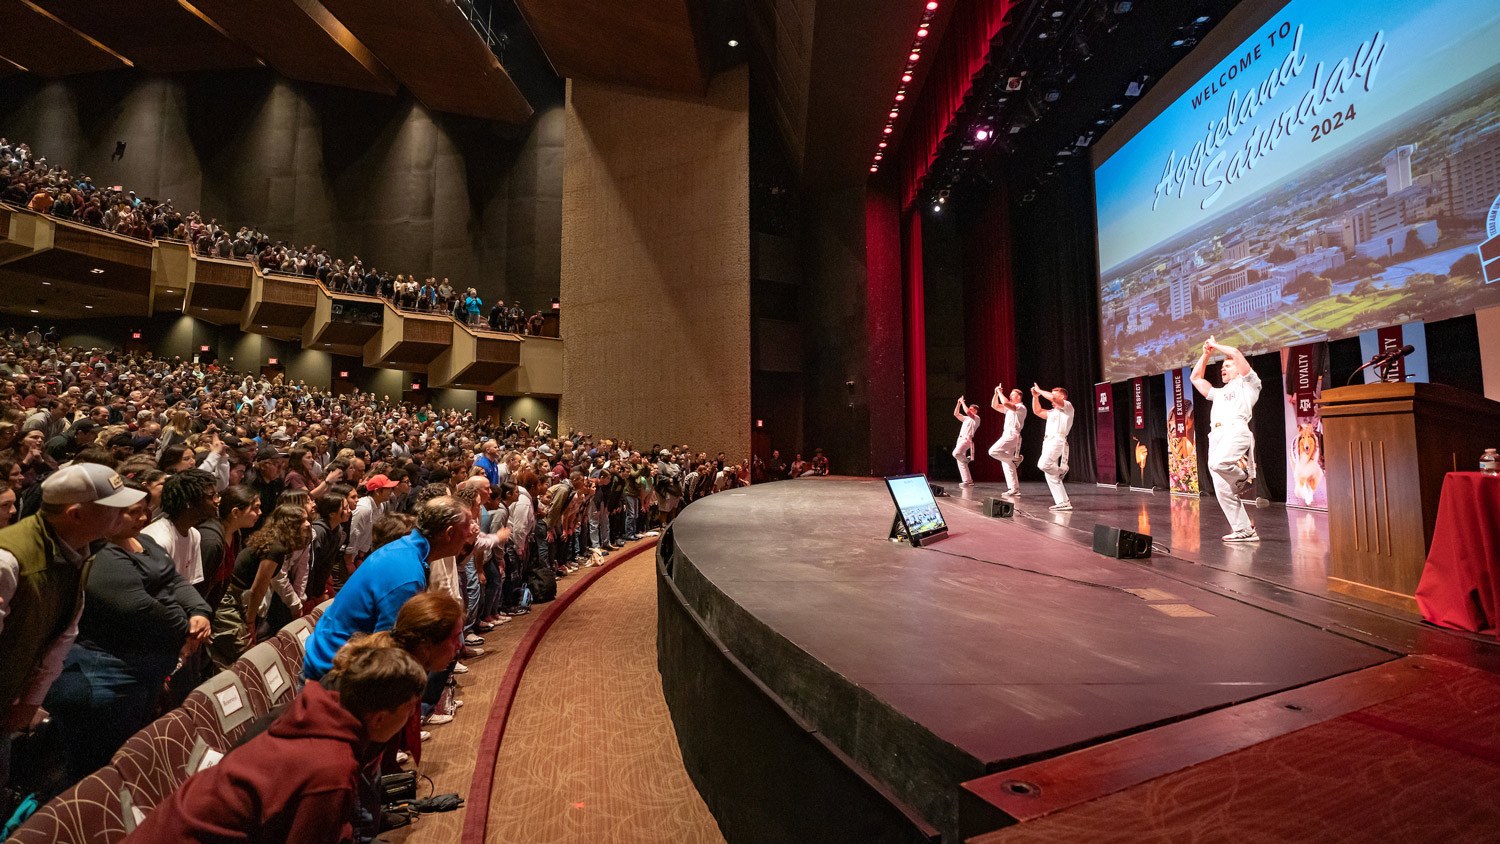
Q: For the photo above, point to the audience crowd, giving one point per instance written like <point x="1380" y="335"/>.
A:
<point x="160" y="517"/>
<point x="31" y="182"/>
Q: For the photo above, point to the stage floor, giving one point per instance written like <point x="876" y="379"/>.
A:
<point x="1293" y="550"/>
<point x="1005" y="642"/>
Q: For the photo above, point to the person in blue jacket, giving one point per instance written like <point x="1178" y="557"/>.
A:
<point x="375" y="592"/>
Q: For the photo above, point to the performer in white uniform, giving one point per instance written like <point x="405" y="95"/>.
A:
<point x="963" y="452"/>
<point x="1231" y="445"/>
<point x="1007" y="449"/>
<point x="1054" y="459"/>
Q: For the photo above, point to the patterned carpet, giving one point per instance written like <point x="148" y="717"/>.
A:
<point x="589" y="755"/>
<point x="1421" y="768"/>
<point x="448" y="758"/>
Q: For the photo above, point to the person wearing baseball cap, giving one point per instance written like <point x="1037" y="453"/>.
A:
<point x="44" y="565"/>
<point x="378" y="490"/>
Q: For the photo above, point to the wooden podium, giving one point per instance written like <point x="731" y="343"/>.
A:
<point x="1386" y="448"/>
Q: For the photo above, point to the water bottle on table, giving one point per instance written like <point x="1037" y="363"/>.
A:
<point x="1489" y="463"/>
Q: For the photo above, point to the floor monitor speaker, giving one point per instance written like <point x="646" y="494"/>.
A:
<point x="937" y="491"/>
<point x="999" y="508"/>
<point x="1120" y="543"/>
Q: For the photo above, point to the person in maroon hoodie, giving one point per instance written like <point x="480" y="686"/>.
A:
<point x="296" y="782"/>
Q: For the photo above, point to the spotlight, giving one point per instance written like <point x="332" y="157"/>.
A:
<point x="874" y="169"/>
<point x="882" y="145"/>
<point x="733" y="43"/>
<point x="914" y="56"/>
<point x="906" y="77"/>
<point x="46" y="284"/>
<point x="888" y="130"/>
<point x="932" y="7"/>
<point x="35" y="311"/>
<point x="1052" y="96"/>
<point x="900" y="98"/>
<point x="97" y="271"/>
<point x="1201" y="19"/>
<point x="894" y="113"/>
<point x="1116" y="106"/>
<point x="982" y="135"/>
<point x="922" y="33"/>
<point x="936" y="209"/>
<point x="88" y="307"/>
<point x="1014" y="83"/>
<point x="1057" y="14"/>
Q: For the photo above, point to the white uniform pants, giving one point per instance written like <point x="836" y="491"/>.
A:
<point x="963" y="454"/>
<point x="1227" y="445"/>
<point x="1007" y="450"/>
<point x="1054" y="463"/>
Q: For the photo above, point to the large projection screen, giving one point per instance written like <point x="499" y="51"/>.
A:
<point x="1313" y="169"/>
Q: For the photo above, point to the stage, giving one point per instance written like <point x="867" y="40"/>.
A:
<point x="918" y="669"/>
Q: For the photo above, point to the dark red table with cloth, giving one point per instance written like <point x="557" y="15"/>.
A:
<point x="1460" y="584"/>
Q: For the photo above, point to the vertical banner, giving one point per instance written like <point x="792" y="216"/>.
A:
<point x="1139" y="439"/>
<point x="1104" y="434"/>
<point x="1304" y="372"/>
<point x="1182" y="443"/>
<point x="1392" y="338"/>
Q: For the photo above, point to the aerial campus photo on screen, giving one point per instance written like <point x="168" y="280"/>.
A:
<point x="1384" y="230"/>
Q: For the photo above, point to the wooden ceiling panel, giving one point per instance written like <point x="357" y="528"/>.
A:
<point x="161" y="36"/>
<point x="655" y="44"/>
<point x="44" y="45"/>
<point x="430" y="46"/>
<point x="307" y="42"/>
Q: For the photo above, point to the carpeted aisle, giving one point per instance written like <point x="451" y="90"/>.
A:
<point x="448" y="759"/>
<point x="589" y="754"/>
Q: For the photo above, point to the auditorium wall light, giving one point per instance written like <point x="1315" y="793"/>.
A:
<point x="100" y="271"/>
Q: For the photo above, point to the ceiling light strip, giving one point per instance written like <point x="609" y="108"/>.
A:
<point x="924" y="29"/>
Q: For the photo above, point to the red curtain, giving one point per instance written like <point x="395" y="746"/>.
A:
<point x="884" y="353"/>
<point x="916" y="345"/>
<point x="989" y="320"/>
<point x="966" y="44"/>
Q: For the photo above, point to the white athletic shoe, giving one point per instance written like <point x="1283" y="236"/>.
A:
<point x="460" y="668"/>
<point x="1012" y="492"/>
<point x="1066" y="505"/>
<point x="1248" y="535"/>
<point x="437" y="719"/>
<point x="426" y="735"/>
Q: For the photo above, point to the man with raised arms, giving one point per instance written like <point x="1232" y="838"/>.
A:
<point x="1231" y="446"/>
<point x="1054" y="459"/>
<point x="1007" y="449"/>
<point x="968" y="417"/>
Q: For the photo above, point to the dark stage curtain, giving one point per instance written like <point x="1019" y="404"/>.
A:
<point x="916" y="345"/>
<point x="966" y="45"/>
<point x="1056" y="300"/>
<point x="990" y="322"/>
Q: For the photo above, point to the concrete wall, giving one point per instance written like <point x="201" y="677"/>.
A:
<point x="362" y="174"/>
<point x="656" y="264"/>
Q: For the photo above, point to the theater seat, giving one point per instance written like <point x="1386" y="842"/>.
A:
<point x="95" y="811"/>
<point x="279" y="684"/>
<point x="291" y="643"/>
<point x="154" y="761"/>
<point x="317" y="612"/>
<point x="220" y="708"/>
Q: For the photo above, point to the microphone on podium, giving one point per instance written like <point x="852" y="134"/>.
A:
<point x="1397" y="354"/>
<point x="1383" y="359"/>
